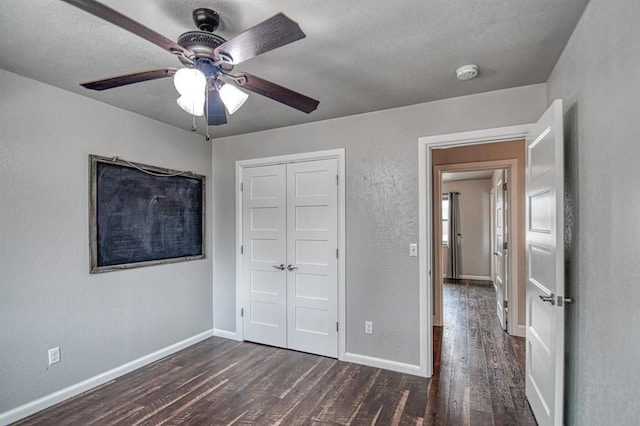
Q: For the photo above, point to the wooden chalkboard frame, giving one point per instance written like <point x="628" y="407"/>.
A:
<point x="93" y="212"/>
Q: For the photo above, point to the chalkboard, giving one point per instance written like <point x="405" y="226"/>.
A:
<point x="143" y="215"/>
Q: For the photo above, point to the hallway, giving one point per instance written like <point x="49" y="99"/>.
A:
<point x="481" y="380"/>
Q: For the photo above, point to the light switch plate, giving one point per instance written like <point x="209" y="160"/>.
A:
<point x="413" y="249"/>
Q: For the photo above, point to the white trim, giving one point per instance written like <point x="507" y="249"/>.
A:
<point x="232" y="335"/>
<point x="472" y="277"/>
<point x="47" y="401"/>
<point x="339" y="155"/>
<point x="499" y="134"/>
<point x="385" y="364"/>
<point x="425" y="285"/>
<point x="475" y="277"/>
<point x="425" y="144"/>
<point x="519" y="330"/>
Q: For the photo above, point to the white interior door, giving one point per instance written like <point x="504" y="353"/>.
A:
<point x="312" y="280"/>
<point x="545" y="268"/>
<point x="264" y="279"/>
<point x="289" y="260"/>
<point x="500" y="253"/>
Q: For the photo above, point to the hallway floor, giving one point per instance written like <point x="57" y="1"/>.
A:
<point x="481" y="380"/>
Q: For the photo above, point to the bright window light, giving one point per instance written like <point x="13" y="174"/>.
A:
<point x="232" y="97"/>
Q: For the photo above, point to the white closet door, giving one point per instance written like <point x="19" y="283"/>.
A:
<point x="312" y="231"/>
<point x="264" y="251"/>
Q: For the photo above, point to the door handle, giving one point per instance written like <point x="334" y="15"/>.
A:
<point x="495" y="253"/>
<point x="281" y="267"/>
<point x="291" y="268"/>
<point x="551" y="299"/>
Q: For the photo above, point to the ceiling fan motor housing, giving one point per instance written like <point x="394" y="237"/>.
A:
<point x="206" y="19"/>
<point x="201" y="43"/>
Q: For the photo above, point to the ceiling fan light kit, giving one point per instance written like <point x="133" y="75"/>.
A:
<point x="232" y="97"/>
<point x="190" y="82"/>
<point x="206" y="85"/>
<point x="192" y="105"/>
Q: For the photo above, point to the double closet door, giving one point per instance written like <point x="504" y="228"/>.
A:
<point x="289" y="260"/>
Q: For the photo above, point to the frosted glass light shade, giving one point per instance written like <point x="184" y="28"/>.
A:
<point x="190" y="82"/>
<point x="232" y="97"/>
<point x="194" y="105"/>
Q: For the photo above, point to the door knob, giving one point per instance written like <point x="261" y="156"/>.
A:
<point x="291" y="268"/>
<point x="281" y="267"/>
<point x="550" y="299"/>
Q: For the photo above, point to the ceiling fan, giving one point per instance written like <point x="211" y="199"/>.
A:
<point x="205" y="82"/>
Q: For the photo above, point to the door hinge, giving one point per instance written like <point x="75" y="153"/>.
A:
<point x="504" y="245"/>
<point x="564" y="301"/>
<point x="504" y="187"/>
<point x="241" y="312"/>
<point x="241" y="249"/>
<point x="337" y="327"/>
<point x="337" y="179"/>
<point x="337" y="254"/>
<point x="506" y="304"/>
<point x="241" y="186"/>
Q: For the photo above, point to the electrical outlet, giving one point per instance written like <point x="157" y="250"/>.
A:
<point x="54" y="355"/>
<point x="368" y="327"/>
<point x="413" y="249"/>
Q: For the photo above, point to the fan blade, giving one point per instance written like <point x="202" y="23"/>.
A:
<point x="275" y="92"/>
<point x="216" y="114"/>
<point x="275" y="32"/>
<point x="123" y="80"/>
<point x="101" y="11"/>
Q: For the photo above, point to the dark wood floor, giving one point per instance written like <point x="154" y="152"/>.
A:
<point x="478" y="380"/>
<point x="481" y="380"/>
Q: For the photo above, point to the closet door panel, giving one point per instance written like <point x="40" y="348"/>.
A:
<point x="312" y="231"/>
<point x="264" y="239"/>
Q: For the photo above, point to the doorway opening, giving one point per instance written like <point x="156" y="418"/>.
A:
<point x="477" y="262"/>
<point x="426" y="146"/>
<point x="474" y="231"/>
<point x="472" y="350"/>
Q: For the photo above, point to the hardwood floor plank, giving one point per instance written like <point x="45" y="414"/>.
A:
<point x="478" y="380"/>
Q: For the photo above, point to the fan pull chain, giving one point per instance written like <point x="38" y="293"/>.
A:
<point x="193" y="126"/>
<point x="206" y="115"/>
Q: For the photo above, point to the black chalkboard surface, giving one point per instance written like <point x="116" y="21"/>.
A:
<point x="143" y="215"/>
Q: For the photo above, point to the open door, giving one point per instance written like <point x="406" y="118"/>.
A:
<point x="545" y="267"/>
<point x="500" y="249"/>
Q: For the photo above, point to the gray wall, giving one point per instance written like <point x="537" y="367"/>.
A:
<point x="47" y="297"/>
<point x="382" y="205"/>
<point x="596" y="77"/>
<point x="475" y="221"/>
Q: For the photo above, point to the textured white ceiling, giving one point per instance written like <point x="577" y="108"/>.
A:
<point x="358" y="56"/>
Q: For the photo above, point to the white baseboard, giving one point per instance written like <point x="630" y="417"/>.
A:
<point x="54" y="398"/>
<point x="472" y="277"/>
<point x="519" y="330"/>
<point x="385" y="364"/>
<point x="226" y="334"/>
<point x="476" y="277"/>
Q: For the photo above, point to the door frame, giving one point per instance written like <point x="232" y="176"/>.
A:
<point x="339" y="155"/>
<point x="513" y="193"/>
<point x="425" y="228"/>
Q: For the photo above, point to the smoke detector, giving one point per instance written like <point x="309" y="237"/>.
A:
<point x="467" y="72"/>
